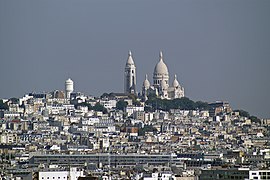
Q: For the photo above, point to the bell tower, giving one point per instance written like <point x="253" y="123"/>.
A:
<point x="130" y="75"/>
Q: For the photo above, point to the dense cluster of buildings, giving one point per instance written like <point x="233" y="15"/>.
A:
<point x="66" y="135"/>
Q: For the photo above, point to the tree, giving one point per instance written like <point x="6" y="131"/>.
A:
<point x="104" y="95"/>
<point x="152" y="96"/>
<point x="202" y="105"/>
<point x="135" y="102"/>
<point x="99" y="107"/>
<point x="246" y="114"/>
<point x="147" y="128"/>
<point x="14" y="100"/>
<point x="182" y="103"/>
<point x="255" y="119"/>
<point x="84" y="104"/>
<point x="3" y="105"/>
<point x="121" y="105"/>
<point x="242" y="113"/>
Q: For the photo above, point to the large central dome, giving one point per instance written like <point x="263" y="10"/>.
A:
<point x="161" y="68"/>
<point x="161" y="72"/>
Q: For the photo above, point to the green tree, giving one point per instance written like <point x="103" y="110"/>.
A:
<point x="3" y="105"/>
<point x="147" y="128"/>
<point x="99" y="107"/>
<point x="181" y="103"/>
<point x="202" y="105"/>
<point x="104" y="95"/>
<point x="84" y="104"/>
<point x="121" y="105"/>
<point x="184" y="103"/>
<point x="255" y="119"/>
<point x="246" y="114"/>
<point x="242" y="113"/>
<point x="135" y="102"/>
<point x="14" y="100"/>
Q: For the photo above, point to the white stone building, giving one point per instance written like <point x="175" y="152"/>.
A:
<point x="161" y="86"/>
<point x="72" y="174"/>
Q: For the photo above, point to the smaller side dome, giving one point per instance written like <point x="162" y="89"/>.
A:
<point x="146" y="82"/>
<point x="175" y="82"/>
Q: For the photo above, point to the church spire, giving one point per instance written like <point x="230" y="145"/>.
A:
<point x="160" y="56"/>
<point x="175" y="82"/>
<point x="130" y="75"/>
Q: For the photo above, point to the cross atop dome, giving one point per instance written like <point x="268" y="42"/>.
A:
<point x="161" y="55"/>
<point x="175" y="82"/>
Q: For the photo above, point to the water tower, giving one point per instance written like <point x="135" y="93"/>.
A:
<point x="69" y="87"/>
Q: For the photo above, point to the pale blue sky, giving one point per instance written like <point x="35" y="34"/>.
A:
<point x="220" y="50"/>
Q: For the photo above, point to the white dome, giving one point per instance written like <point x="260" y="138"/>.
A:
<point x="161" y="68"/>
<point x="146" y="83"/>
<point x="175" y="82"/>
<point x="129" y="60"/>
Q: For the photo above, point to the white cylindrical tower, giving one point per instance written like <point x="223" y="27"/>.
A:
<point x="69" y="87"/>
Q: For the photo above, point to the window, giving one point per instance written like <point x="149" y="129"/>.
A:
<point x="255" y="177"/>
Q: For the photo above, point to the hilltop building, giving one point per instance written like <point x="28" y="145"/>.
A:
<point x="160" y="87"/>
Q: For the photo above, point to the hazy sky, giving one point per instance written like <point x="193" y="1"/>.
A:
<point x="220" y="50"/>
